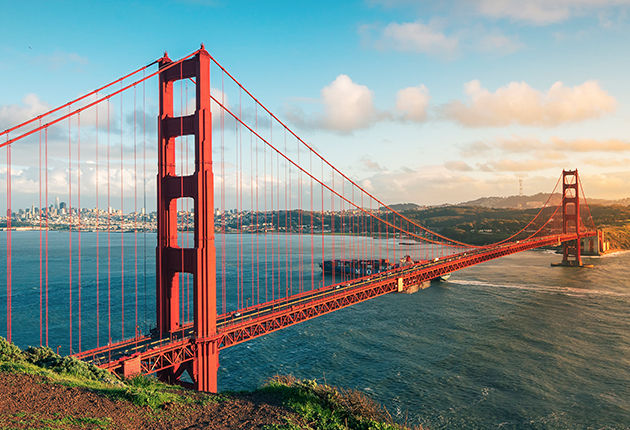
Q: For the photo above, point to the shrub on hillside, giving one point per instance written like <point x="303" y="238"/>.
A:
<point x="9" y="352"/>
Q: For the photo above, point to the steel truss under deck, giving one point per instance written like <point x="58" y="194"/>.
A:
<point x="178" y="353"/>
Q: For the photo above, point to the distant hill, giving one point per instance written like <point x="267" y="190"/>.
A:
<point x="535" y="201"/>
<point x="512" y="202"/>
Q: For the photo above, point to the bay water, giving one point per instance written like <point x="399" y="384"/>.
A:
<point x="512" y="343"/>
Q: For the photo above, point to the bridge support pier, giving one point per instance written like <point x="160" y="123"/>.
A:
<point x="200" y="261"/>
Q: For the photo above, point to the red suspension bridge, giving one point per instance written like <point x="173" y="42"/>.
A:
<point x="245" y="211"/>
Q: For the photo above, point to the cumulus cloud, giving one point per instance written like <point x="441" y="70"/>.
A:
<point x="518" y="145"/>
<point x="614" y="185"/>
<point x="413" y="102"/>
<point x="507" y="165"/>
<point x="347" y="105"/>
<point x="590" y="145"/>
<point x="497" y="42"/>
<point x="433" y="185"/>
<point x="431" y="39"/>
<point x="536" y="12"/>
<point x="526" y="154"/>
<point x="476" y="148"/>
<point x="11" y="115"/>
<point x="370" y="165"/>
<point x="518" y="103"/>
<point x="454" y="187"/>
<point x="608" y="162"/>
<point x="414" y="37"/>
<point x="542" y="12"/>
<point x="458" y="166"/>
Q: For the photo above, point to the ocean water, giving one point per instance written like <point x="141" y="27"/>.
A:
<point x="513" y="343"/>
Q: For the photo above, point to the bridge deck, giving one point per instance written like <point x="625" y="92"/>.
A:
<point x="156" y="353"/>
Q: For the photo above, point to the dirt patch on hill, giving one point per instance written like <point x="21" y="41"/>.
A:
<point x="31" y="401"/>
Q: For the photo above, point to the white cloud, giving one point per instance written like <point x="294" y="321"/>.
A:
<point x="613" y="185"/>
<point x="413" y="102"/>
<point x="432" y="185"/>
<point x="507" y="165"/>
<point x="12" y="115"/>
<point x="543" y="12"/>
<point x="536" y="12"/>
<point x="431" y="39"/>
<point x="518" y="103"/>
<point x="347" y="106"/>
<point x="412" y="37"/>
<point x="608" y="162"/>
<point x="458" y="166"/>
<point x="590" y="145"/>
<point x="370" y="165"/>
<point x="497" y="42"/>
<point x="519" y="145"/>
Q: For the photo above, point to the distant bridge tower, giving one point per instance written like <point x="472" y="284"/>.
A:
<point x="571" y="217"/>
<point x="200" y="261"/>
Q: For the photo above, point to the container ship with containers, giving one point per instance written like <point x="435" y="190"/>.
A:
<point x="357" y="268"/>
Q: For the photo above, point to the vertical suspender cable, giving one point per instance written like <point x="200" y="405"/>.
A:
<point x="122" y="225"/>
<point x="223" y="220"/>
<point x="239" y="230"/>
<point x="187" y="234"/>
<point x="251" y="209"/>
<point x="257" y="218"/>
<point x="39" y="215"/>
<point x="323" y="223"/>
<point x="144" y="195"/>
<point x="135" y="210"/>
<point x="276" y="235"/>
<point x="98" y="284"/>
<point x="265" y="211"/>
<point x="180" y="201"/>
<point x="70" y="224"/>
<point x="312" y="226"/>
<point x="9" y="243"/>
<point x="79" y="218"/>
<point x="47" y="216"/>
<point x="109" y="233"/>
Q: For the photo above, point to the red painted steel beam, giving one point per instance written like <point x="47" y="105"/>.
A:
<point x="232" y="335"/>
<point x="282" y="313"/>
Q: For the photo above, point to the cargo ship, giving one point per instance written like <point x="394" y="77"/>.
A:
<point x="355" y="267"/>
<point x="358" y="267"/>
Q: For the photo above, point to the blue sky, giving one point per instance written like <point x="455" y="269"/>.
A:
<point x="419" y="101"/>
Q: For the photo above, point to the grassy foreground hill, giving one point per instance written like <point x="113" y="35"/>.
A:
<point x="40" y="389"/>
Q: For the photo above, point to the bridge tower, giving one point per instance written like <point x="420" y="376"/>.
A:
<point x="571" y="217"/>
<point x="200" y="261"/>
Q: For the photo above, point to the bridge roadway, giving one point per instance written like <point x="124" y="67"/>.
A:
<point x="157" y="352"/>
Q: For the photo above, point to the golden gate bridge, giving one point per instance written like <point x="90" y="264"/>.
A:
<point x="218" y="148"/>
